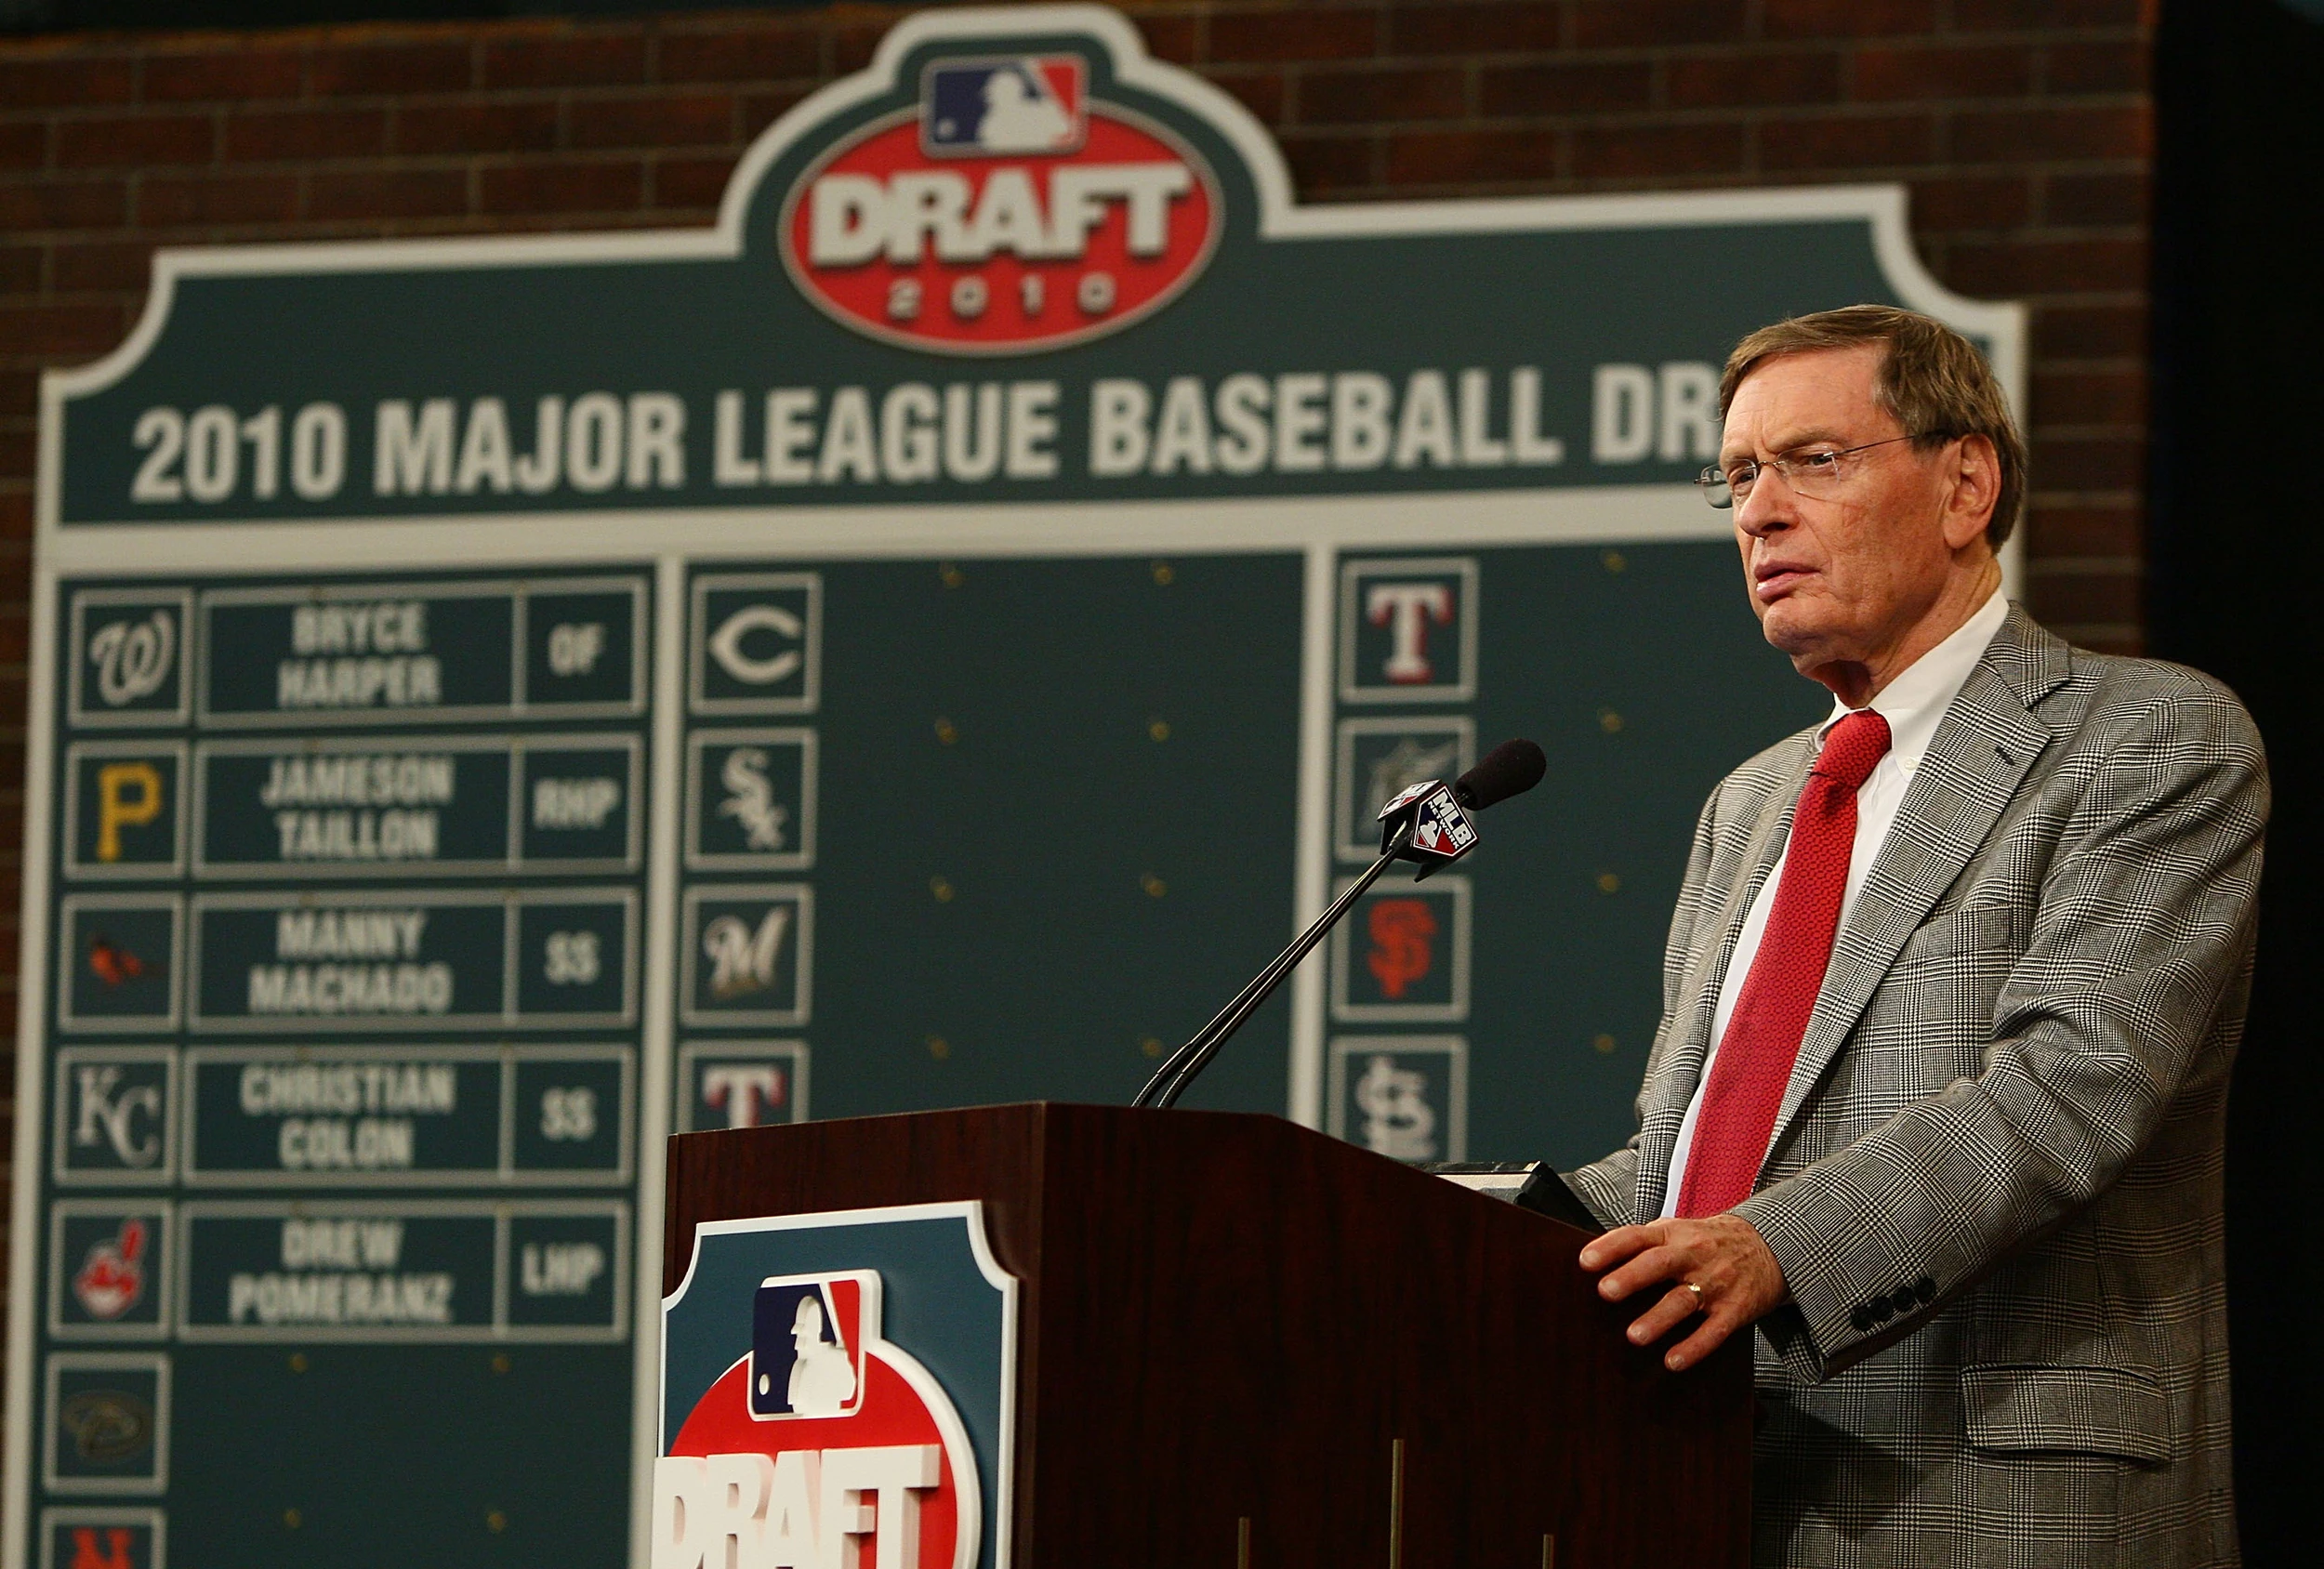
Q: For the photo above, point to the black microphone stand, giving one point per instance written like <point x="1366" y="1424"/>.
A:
<point x="1170" y="1080"/>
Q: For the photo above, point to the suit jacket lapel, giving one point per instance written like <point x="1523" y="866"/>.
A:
<point x="1681" y="1068"/>
<point x="1985" y="746"/>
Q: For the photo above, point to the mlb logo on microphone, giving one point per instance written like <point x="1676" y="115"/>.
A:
<point x="1031" y="103"/>
<point x="807" y="1345"/>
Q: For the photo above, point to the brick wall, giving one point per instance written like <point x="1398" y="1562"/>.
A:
<point x="2023" y="128"/>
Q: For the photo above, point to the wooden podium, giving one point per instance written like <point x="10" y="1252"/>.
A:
<point x="1244" y="1343"/>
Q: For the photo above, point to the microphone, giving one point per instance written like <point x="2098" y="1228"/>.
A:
<point x="1427" y="823"/>
<point x="1509" y="769"/>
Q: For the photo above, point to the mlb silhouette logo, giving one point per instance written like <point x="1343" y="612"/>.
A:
<point x="1408" y="630"/>
<point x="1032" y="103"/>
<point x="807" y="1336"/>
<point x="1403" y="954"/>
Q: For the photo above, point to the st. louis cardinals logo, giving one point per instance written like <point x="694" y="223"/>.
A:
<point x="823" y="1444"/>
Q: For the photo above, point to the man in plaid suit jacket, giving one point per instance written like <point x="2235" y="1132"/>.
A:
<point x="1983" y="1245"/>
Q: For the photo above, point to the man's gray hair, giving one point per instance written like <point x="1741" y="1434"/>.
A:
<point x="1933" y="381"/>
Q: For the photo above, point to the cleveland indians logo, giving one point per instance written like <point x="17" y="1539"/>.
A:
<point x="823" y="1445"/>
<point x="112" y="1278"/>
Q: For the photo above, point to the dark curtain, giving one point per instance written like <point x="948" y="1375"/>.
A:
<point x="2234" y="553"/>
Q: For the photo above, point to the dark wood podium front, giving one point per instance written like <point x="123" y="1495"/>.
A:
<point x="1242" y="1341"/>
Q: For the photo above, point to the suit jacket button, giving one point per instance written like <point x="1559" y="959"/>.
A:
<point x="1904" y="1299"/>
<point x="1882" y="1309"/>
<point x="1925" y="1288"/>
<point x="1861" y="1318"/>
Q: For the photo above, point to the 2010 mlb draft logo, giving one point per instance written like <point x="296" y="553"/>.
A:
<point x="803" y="1429"/>
<point x="1009" y="211"/>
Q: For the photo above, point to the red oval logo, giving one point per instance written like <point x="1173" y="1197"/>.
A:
<point x="1007" y="214"/>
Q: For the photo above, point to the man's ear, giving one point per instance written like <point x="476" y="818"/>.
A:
<point x="1976" y="486"/>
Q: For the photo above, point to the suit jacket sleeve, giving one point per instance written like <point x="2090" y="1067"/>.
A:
<point x="2140" y="934"/>
<point x="1609" y="1188"/>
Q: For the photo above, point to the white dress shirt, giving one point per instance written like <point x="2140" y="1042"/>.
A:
<point x="1912" y="705"/>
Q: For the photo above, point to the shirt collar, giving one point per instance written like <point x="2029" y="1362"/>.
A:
<point x="1916" y="701"/>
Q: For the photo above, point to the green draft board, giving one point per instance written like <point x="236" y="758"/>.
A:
<point x="923" y="642"/>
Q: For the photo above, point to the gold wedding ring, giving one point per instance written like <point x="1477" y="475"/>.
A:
<point x="1696" y="1290"/>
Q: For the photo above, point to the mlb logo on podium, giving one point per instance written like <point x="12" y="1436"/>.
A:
<point x="807" y="1344"/>
<point x="1032" y="103"/>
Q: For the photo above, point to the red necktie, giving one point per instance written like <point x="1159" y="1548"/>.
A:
<point x="1762" y="1038"/>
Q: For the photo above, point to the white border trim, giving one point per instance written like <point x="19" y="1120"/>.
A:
<point x="98" y="1362"/>
<point x="153" y="1520"/>
<point x="1345" y="844"/>
<point x="1453" y="952"/>
<point x="793" y="1052"/>
<point x="161" y="1250"/>
<point x="1455" y="1049"/>
<point x="808" y="741"/>
<point x="971" y="1213"/>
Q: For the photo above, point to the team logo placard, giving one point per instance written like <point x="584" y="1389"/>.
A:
<point x="1381" y="759"/>
<point x="1406" y="1097"/>
<point x="131" y="664"/>
<point x="1009" y="210"/>
<point x="1408" y="630"/>
<point x="837" y="1390"/>
<point x="108" y="1277"/>
<point x="101" y="1539"/>
<point x="741" y="1084"/>
<point x="1403" y="954"/>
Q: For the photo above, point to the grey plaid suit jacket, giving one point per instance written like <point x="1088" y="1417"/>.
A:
<point x="1994" y="1184"/>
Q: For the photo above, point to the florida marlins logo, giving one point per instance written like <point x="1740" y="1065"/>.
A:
<point x="741" y="960"/>
<point x="750" y="799"/>
<point x="133" y="657"/>
<point x="1398" y="1122"/>
<point x="1408" y="763"/>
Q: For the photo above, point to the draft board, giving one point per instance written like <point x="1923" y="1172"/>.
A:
<point x="923" y="640"/>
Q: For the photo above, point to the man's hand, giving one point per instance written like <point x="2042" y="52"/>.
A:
<point x="1739" y="1278"/>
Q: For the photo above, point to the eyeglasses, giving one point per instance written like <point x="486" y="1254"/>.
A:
<point x="1816" y="473"/>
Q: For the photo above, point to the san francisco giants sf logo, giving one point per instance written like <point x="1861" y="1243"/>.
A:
<point x="1403" y="944"/>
